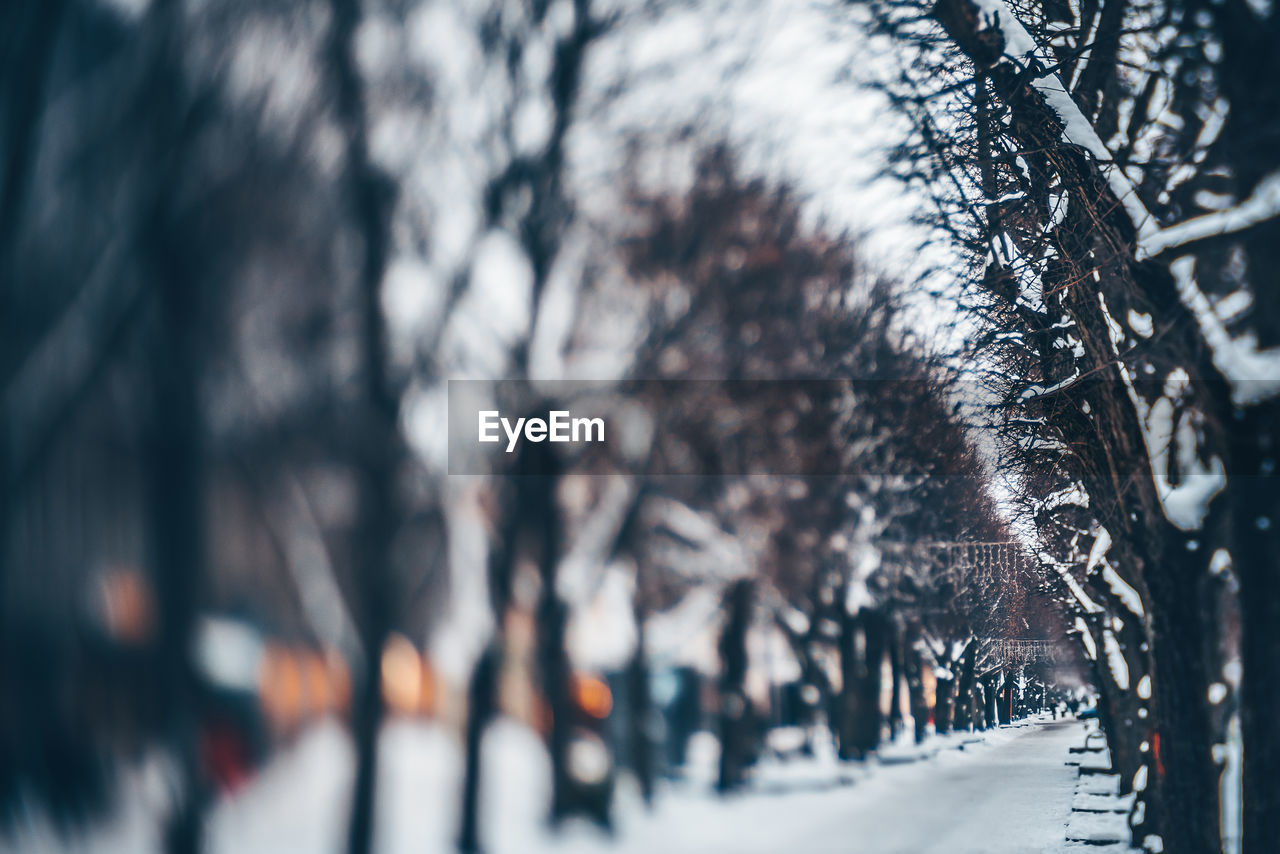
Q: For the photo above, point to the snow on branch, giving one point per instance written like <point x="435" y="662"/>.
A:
<point x="1090" y="648"/>
<point x="1253" y="374"/>
<point x="1187" y="504"/>
<point x="580" y="569"/>
<point x="1086" y="603"/>
<point x="699" y="548"/>
<point x="1036" y="391"/>
<point x="1121" y="589"/>
<point x="1101" y="545"/>
<point x="1115" y="660"/>
<point x="1020" y="48"/>
<point x="1263" y="205"/>
<point x="1074" y="495"/>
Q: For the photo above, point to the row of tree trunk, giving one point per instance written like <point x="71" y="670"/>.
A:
<point x="868" y="642"/>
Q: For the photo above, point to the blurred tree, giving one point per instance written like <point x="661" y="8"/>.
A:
<point x="834" y="514"/>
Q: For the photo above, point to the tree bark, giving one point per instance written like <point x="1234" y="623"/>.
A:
<point x="376" y="445"/>
<point x="734" y="706"/>
<point x="640" y="739"/>
<point x="846" y="723"/>
<point x="1186" y="776"/>
<point x="899" y="677"/>
<point x="176" y="461"/>
<point x="914" y="666"/>
<point x="177" y="533"/>
<point x="875" y="629"/>
<point x="964" y="694"/>
<point x="1255" y="531"/>
<point x="944" y="705"/>
<point x="481" y="708"/>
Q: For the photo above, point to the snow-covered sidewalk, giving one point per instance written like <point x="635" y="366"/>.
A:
<point x="1004" y="791"/>
<point x="1008" y="792"/>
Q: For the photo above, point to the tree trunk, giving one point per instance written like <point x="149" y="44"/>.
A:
<point x="915" y="690"/>
<point x="734" y="709"/>
<point x="846" y="723"/>
<point x="481" y="707"/>
<point x="990" y="700"/>
<point x="539" y="514"/>
<point x="899" y="677"/>
<point x="869" y="721"/>
<point x="176" y="453"/>
<point x="640" y="717"/>
<point x="944" y="705"/>
<point x="178" y="553"/>
<point x="964" y="695"/>
<point x="1118" y="707"/>
<point x="527" y="524"/>
<point x="376" y="445"/>
<point x="1186" y="776"/>
<point x="980" y="705"/>
<point x="1255" y="531"/>
<point x="373" y="566"/>
<point x="557" y="685"/>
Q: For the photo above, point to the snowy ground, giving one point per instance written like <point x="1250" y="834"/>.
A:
<point x="1007" y="792"/>
<point x="1010" y="793"/>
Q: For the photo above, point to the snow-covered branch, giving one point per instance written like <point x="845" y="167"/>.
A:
<point x="1020" y="48"/>
<point x="1262" y="205"/>
<point x="1254" y="374"/>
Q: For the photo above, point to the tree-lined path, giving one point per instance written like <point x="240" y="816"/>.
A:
<point x="1010" y="794"/>
<point x="1008" y="798"/>
<point x="935" y="351"/>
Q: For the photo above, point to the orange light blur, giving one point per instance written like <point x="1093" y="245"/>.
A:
<point x="593" y="696"/>
<point x="427" y="695"/>
<point x="339" y="679"/>
<point x="401" y="675"/>
<point x="281" y="687"/>
<point x="319" y="687"/>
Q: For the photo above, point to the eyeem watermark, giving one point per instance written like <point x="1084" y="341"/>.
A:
<point x="708" y="427"/>
<point x="558" y="426"/>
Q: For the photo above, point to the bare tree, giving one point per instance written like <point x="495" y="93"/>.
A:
<point x="1047" y="133"/>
